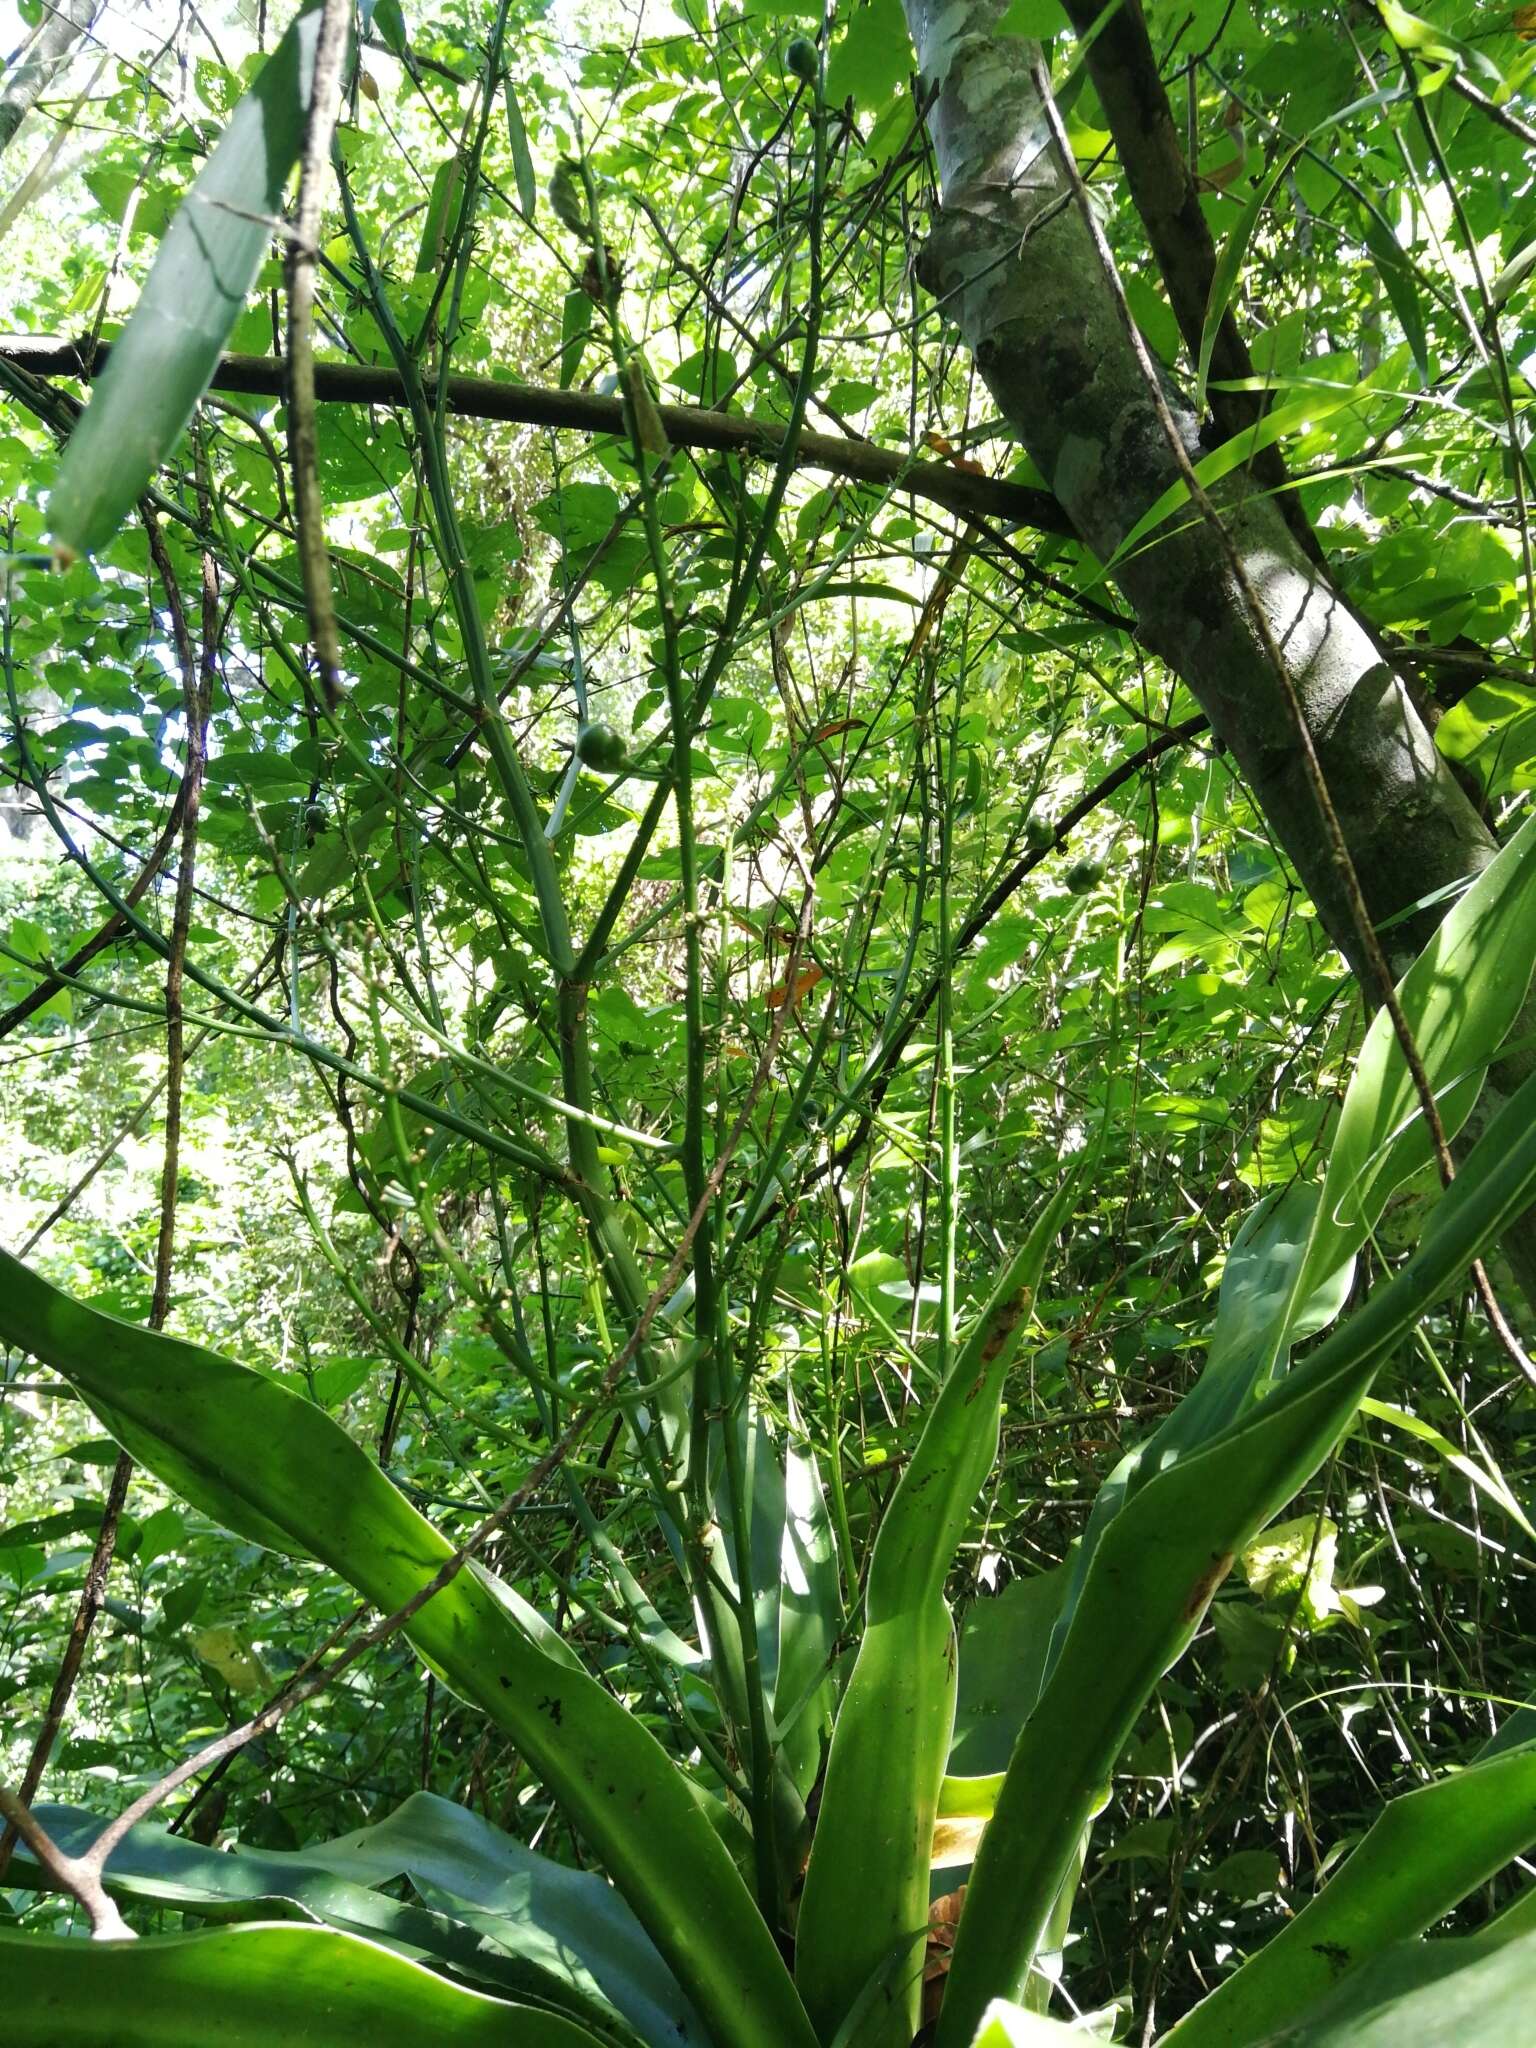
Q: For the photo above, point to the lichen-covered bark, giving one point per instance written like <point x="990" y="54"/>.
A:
<point x="1012" y="263"/>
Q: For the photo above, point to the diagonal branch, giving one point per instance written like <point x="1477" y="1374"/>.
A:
<point x="76" y="1875"/>
<point x="1123" y="66"/>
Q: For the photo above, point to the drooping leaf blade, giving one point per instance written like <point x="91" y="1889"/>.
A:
<point x="566" y="1921"/>
<point x="276" y="1467"/>
<point x="522" y="159"/>
<point x="523" y="1926"/>
<point x="1473" y="1990"/>
<point x="1290" y="1266"/>
<point x="1229" y="263"/>
<point x="260" y="1986"/>
<point x="203" y="272"/>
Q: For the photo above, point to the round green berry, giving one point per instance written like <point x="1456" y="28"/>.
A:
<point x="1084" y="876"/>
<point x="599" y="746"/>
<point x="800" y="58"/>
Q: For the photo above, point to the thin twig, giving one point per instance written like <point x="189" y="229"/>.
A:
<point x="197" y="673"/>
<point x="303" y="441"/>
<point x="310" y="1681"/>
<point x="1511" y="123"/>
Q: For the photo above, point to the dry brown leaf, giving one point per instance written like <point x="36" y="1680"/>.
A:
<point x="943" y="1919"/>
<point x="805" y="981"/>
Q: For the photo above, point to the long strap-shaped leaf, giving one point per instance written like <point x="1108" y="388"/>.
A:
<point x="202" y="274"/>
<point x="273" y="1466"/>
<point x="1470" y="1990"/>
<point x="257" y="1986"/>
<point x="1289" y="1268"/>
<point x="866" y="1889"/>
<point x="542" y="1933"/>
<point x="1161" y="1559"/>
<point x="1421" y="1857"/>
<point x="1462" y="1991"/>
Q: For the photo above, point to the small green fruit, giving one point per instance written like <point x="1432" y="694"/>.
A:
<point x="1039" y="832"/>
<point x="599" y="746"/>
<point x="800" y="57"/>
<point x="1084" y="876"/>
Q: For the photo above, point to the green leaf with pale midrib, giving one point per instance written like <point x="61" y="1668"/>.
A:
<point x="263" y="1459"/>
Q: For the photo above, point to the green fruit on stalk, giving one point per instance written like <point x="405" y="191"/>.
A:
<point x="599" y="746"/>
<point x="800" y="58"/>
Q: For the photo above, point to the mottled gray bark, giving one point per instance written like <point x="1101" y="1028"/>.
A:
<point x="1013" y="264"/>
<point x="58" y="32"/>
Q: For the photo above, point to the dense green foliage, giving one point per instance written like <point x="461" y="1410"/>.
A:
<point x="758" y="1035"/>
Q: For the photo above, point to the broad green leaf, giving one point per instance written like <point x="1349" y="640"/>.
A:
<point x="797" y="1613"/>
<point x="1031" y="18"/>
<point x="969" y="1798"/>
<point x="809" y="1619"/>
<point x="1158" y="1562"/>
<point x="260" y="1986"/>
<point x="567" y="1922"/>
<point x="232" y="1657"/>
<point x="1461" y="998"/>
<point x="866" y="1887"/>
<point x="523" y="1926"/>
<point x="872" y="57"/>
<point x="445" y="204"/>
<point x="575" y="333"/>
<point x="796" y="1596"/>
<point x="389" y="19"/>
<point x="273" y="1466"/>
<point x="160" y="366"/>
<point x="1400" y="284"/>
<point x="1469" y="1991"/>
<point x="1003" y="1646"/>
<point x="1294" y="1562"/>
<point x="1421" y="1857"/>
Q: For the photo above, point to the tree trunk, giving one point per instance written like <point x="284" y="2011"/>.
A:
<point x="1013" y="264"/>
<point x="61" y="28"/>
